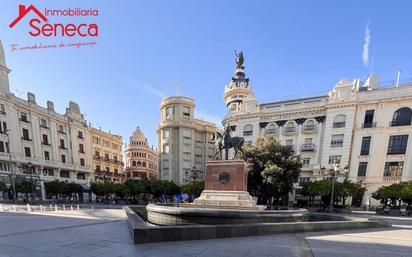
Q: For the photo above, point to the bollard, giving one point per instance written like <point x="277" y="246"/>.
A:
<point x="51" y="207"/>
<point x="1" y="207"/>
<point x="71" y="207"/>
<point x="14" y="207"/>
<point x="28" y="207"/>
<point x="64" y="207"/>
<point x="78" y="208"/>
<point x="41" y="208"/>
<point x="55" y="207"/>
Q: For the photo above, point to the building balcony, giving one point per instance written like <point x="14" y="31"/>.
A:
<point x="396" y="123"/>
<point x="80" y="137"/>
<point x="360" y="178"/>
<point x="272" y="131"/>
<point x="289" y="130"/>
<point x="392" y="178"/>
<point x="25" y="120"/>
<point x="62" y="147"/>
<point x="369" y="125"/>
<point x="83" y="152"/>
<point x="45" y="143"/>
<point x="26" y="139"/>
<point x="338" y="124"/>
<point x="308" y="147"/>
<point x="44" y="127"/>
<point x="61" y="132"/>
<point x="307" y="129"/>
<point x="3" y="112"/>
<point x="307" y="166"/>
<point x="336" y="143"/>
<point x="97" y="157"/>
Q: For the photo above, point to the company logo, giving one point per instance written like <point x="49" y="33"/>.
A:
<point x="41" y="26"/>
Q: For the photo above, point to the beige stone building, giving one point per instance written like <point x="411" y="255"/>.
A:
<point x="141" y="160"/>
<point x="364" y="126"/>
<point x="39" y="144"/>
<point x="183" y="141"/>
<point x="107" y="156"/>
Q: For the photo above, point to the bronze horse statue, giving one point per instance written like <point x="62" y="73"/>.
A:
<point x="226" y="142"/>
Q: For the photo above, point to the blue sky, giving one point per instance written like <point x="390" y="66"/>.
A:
<point x="146" y="48"/>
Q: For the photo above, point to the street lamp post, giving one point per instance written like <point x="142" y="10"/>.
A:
<point x="192" y="175"/>
<point x="13" y="185"/>
<point x="335" y="171"/>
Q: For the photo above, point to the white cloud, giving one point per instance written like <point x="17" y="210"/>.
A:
<point x="365" y="52"/>
<point x="154" y="90"/>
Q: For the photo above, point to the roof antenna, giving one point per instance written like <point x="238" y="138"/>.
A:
<point x="371" y="66"/>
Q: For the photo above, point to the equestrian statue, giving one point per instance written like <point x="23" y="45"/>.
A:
<point x="225" y="141"/>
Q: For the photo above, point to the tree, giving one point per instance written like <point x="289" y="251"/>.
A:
<point x="273" y="169"/>
<point x="191" y="187"/>
<point x="2" y="186"/>
<point x="394" y="193"/>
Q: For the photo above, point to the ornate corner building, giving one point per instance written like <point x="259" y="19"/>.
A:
<point x="141" y="160"/>
<point x="38" y="144"/>
<point x="362" y="125"/>
<point x="183" y="141"/>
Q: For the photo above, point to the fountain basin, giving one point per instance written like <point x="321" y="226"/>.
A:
<point x="172" y="216"/>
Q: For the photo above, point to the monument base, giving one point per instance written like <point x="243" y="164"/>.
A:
<point x="226" y="199"/>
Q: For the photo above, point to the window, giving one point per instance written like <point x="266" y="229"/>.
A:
<point x="166" y="148"/>
<point x="80" y="134"/>
<point x="363" y="166"/>
<point x="393" y="169"/>
<point x="60" y="129"/>
<point x="45" y="139"/>
<point x="290" y="128"/>
<point x="43" y="123"/>
<point x="368" y="121"/>
<point x="46" y="155"/>
<point x="98" y="168"/>
<point x="81" y="148"/>
<point x="271" y="129"/>
<point x="337" y="141"/>
<point x="63" y="158"/>
<point x="65" y="174"/>
<point x="186" y="112"/>
<point x="289" y="142"/>
<point x="339" y="121"/>
<point x="248" y="130"/>
<point x="402" y="117"/>
<point x="169" y="112"/>
<point x="187" y="165"/>
<point x="187" y="134"/>
<point x="62" y="144"/>
<point x="397" y="144"/>
<point x="198" y="152"/>
<point x="187" y="149"/>
<point x="2" y="147"/>
<point x="23" y="117"/>
<point x="166" y="134"/>
<point x="2" y="109"/>
<point x="3" y="129"/>
<point x="26" y="134"/>
<point x="309" y="126"/>
<point x="306" y="162"/>
<point x="27" y="152"/>
<point x="81" y="176"/>
<point x="366" y="143"/>
<point x="82" y="162"/>
<point x="334" y="159"/>
<point x="165" y="164"/>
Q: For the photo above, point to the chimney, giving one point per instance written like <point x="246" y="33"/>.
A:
<point x="373" y="81"/>
<point x="31" y="98"/>
<point x="50" y="106"/>
<point x="398" y="78"/>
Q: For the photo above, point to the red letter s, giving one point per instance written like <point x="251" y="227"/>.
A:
<point x="34" y="27"/>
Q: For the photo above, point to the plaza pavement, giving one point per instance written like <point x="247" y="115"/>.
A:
<point x="104" y="232"/>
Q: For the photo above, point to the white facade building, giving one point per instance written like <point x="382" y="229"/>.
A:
<point x="329" y="128"/>
<point x="39" y="144"/>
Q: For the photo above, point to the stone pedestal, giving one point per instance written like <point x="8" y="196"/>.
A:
<point x="226" y="186"/>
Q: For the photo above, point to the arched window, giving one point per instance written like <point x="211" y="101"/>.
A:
<point x="271" y="129"/>
<point x="248" y="130"/>
<point x="339" y="121"/>
<point x="290" y="127"/>
<point x="139" y="163"/>
<point x="402" y="117"/>
<point x="134" y="163"/>
<point x="144" y="164"/>
<point x="309" y="126"/>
